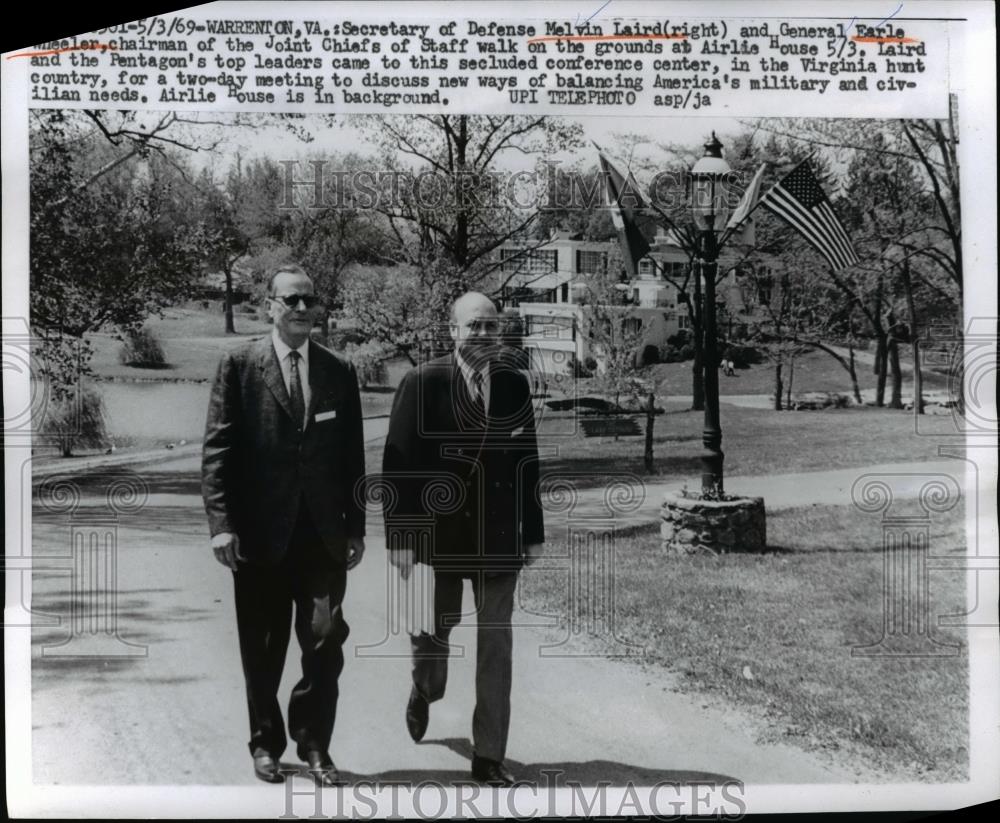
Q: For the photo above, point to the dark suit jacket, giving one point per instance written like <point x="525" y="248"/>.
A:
<point x="258" y="463"/>
<point x="475" y="480"/>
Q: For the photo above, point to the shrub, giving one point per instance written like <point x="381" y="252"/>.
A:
<point x="75" y="420"/>
<point x="578" y="369"/>
<point x="681" y="337"/>
<point x="142" y="349"/>
<point x="369" y="361"/>
<point x="678" y="348"/>
<point x="648" y="356"/>
<point x="743" y="356"/>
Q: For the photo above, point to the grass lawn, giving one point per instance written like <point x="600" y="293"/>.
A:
<point x="192" y="339"/>
<point x="814" y="371"/>
<point x="773" y="634"/>
<point x="755" y="441"/>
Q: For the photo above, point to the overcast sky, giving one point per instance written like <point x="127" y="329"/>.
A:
<point x="280" y="144"/>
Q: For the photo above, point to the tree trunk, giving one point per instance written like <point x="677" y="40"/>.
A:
<point x="791" y="378"/>
<point x="880" y="370"/>
<point x="896" y="402"/>
<point x="650" y="420"/>
<point x="777" y="386"/>
<point x="854" y="374"/>
<point x="918" y="378"/>
<point x="228" y="304"/>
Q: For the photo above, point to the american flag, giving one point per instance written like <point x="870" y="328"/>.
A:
<point x="799" y="200"/>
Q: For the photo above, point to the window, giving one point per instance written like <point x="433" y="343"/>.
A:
<point x="632" y="325"/>
<point x="675" y="271"/>
<point x="564" y="293"/>
<point x="591" y="262"/>
<point x="683" y="321"/>
<point x="764" y="286"/>
<point x="536" y="261"/>
<point x="646" y="267"/>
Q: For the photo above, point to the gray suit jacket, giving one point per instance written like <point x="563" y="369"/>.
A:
<point x="258" y="463"/>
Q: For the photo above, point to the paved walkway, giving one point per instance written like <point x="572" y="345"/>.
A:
<point x="172" y="709"/>
<point x="376" y="428"/>
<point x="780" y="491"/>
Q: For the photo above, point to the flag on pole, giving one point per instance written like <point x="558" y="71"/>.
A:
<point x="799" y="200"/>
<point x="749" y="202"/>
<point x="624" y="199"/>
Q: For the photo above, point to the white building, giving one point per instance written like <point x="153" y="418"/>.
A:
<point x="545" y="285"/>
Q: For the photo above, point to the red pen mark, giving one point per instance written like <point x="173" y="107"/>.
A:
<point x="81" y="47"/>
<point x="858" y="39"/>
<point x="609" y="37"/>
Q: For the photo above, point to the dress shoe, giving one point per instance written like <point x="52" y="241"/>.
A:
<point x="266" y="769"/>
<point x="491" y="772"/>
<point x="322" y="769"/>
<point x="418" y="712"/>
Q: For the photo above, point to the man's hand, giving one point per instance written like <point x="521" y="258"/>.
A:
<point x="227" y="549"/>
<point x="402" y="559"/>
<point x="532" y="551"/>
<point x="355" y="551"/>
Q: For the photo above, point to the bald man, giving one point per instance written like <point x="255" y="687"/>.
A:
<point x="462" y="455"/>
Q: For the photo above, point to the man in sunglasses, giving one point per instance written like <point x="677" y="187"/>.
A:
<point x="462" y="454"/>
<point x="282" y="466"/>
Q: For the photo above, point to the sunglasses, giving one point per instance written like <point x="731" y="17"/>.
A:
<point x="292" y="300"/>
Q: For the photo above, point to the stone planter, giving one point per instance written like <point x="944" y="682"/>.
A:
<point x="689" y="525"/>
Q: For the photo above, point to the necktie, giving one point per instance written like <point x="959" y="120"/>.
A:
<point x="295" y="389"/>
<point x="477" y="397"/>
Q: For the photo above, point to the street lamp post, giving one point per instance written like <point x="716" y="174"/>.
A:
<point x="710" y="177"/>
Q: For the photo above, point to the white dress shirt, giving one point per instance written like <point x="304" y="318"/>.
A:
<point x="468" y="373"/>
<point x="282" y="349"/>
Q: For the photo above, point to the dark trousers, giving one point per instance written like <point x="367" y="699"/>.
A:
<point x="308" y="579"/>
<point x="494" y="598"/>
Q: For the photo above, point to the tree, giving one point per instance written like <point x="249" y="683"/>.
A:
<point x="575" y="202"/>
<point x="241" y="214"/>
<point x="615" y="337"/>
<point x="919" y="239"/>
<point x="778" y="325"/>
<point x="454" y="204"/>
<point x="330" y="238"/>
<point x="402" y="307"/>
<point x="106" y="253"/>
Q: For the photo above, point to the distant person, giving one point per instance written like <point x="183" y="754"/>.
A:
<point x="283" y="453"/>
<point x="728" y="367"/>
<point x="468" y="418"/>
